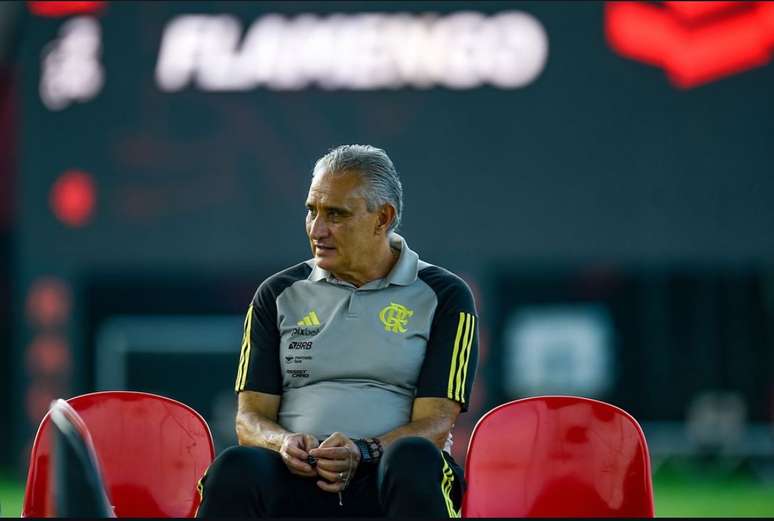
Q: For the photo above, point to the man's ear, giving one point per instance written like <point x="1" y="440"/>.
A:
<point x="386" y="215"/>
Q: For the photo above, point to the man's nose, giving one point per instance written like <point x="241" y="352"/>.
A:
<point x="318" y="229"/>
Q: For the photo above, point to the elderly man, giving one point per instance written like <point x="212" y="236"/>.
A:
<point x="354" y="366"/>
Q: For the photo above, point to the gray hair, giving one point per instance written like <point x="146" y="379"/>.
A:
<point x="381" y="184"/>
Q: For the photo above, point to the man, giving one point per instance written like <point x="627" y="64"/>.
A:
<point x="354" y="366"/>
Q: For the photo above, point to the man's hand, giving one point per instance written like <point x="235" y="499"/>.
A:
<point x="337" y="460"/>
<point x="295" y="450"/>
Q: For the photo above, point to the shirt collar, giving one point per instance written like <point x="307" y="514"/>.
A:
<point x="402" y="274"/>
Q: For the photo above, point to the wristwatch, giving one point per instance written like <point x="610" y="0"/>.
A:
<point x="370" y="450"/>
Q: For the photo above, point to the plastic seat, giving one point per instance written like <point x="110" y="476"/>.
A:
<point x="152" y="451"/>
<point x="78" y="489"/>
<point x="557" y="456"/>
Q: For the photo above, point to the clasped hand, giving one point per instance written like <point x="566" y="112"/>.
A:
<point x="337" y="459"/>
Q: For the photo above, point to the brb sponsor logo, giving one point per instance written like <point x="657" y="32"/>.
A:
<point x="300" y="345"/>
<point x="694" y="42"/>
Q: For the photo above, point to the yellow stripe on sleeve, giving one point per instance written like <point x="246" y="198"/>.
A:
<point x="458" y="378"/>
<point x="241" y="353"/>
<point x="467" y="357"/>
<point x="249" y="346"/>
<point x="453" y="368"/>
<point x="244" y="358"/>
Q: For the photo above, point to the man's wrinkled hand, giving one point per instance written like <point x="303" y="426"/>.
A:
<point x="337" y="461"/>
<point x="295" y="451"/>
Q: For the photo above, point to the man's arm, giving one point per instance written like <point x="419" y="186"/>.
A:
<point x="431" y="418"/>
<point x="256" y="420"/>
<point x="256" y="426"/>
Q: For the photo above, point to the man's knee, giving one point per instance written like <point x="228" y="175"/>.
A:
<point x="239" y="466"/>
<point x="233" y="485"/>
<point x="410" y="459"/>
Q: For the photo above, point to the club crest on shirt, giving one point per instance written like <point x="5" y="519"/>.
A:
<point x="395" y="317"/>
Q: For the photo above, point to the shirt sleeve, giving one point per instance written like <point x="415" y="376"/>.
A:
<point x="259" y="365"/>
<point x="451" y="356"/>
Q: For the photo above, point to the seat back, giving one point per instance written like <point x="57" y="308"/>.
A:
<point x="557" y="456"/>
<point x="77" y="485"/>
<point x="152" y="451"/>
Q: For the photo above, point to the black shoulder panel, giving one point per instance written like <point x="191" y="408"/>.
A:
<point x="452" y="292"/>
<point x="272" y="287"/>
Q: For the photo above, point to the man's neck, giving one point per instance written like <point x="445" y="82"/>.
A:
<point x="383" y="261"/>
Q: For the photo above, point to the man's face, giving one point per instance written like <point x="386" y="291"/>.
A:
<point x="341" y="230"/>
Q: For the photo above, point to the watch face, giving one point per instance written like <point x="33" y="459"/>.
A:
<point x="363" y="448"/>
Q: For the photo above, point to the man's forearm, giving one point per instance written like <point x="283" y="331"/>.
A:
<point x="434" y="429"/>
<point x="258" y="431"/>
<point x="431" y="418"/>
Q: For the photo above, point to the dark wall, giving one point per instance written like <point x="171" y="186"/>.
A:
<point x="8" y="128"/>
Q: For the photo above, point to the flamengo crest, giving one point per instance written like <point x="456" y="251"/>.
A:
<point x="395" y="317"/>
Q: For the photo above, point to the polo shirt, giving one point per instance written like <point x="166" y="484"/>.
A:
<point x="352" y="359"/>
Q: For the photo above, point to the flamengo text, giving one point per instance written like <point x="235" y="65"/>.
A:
<point x="357" y="51"/>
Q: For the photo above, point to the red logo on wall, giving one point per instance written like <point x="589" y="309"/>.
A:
<point x="694" y="42"/>
<point x="57" y="9"/>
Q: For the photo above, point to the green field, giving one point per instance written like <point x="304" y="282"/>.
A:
<point x="696" y="495"/>
<point x="11" y="495"/>
<point x="678" y="494"/>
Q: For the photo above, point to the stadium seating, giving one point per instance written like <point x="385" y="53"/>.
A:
<point x="557" y="456"/>
<point x="152" y="450"/>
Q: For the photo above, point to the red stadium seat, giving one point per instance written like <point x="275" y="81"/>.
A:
<point x="557" y="456"/>
<point x="152" y="451"/>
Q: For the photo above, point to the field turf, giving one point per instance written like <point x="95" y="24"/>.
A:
<point x="677" y="495"/>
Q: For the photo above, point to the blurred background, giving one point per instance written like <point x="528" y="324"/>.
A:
<point x="600" y="174"/>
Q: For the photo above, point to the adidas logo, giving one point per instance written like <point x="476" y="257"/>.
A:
<point x="310" y="320"/>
